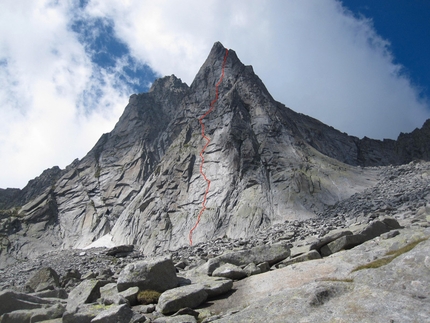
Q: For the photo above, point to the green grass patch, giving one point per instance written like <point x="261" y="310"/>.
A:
<point x="332" y="279"/>
<point x="146" y="297"/>
<point x="389" y="256"/>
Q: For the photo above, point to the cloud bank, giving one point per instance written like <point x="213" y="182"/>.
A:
<point x="68" y="68"/>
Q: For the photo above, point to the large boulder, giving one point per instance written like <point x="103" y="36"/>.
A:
<point x="174" y="299"/>
<point x="376" y="228"/>
<point x="230" y="271"/>
<point x="115" y="314"/>
<point x="34" y="315"/>
<point x="157" y="274"/>
<point x="343" y="243"/>
<point x="214" y="286"/>
<point x="52" y="293"/>
<point x="130" y="295"/>
<point x="120" y="251"/>
<point x="109" y="295"/>
<point x="373" y="230"/>
<point x="310" y="255"/>
<point x="86" y="292"/>
<point x="12" y="301"/>
<point x="334" y="235"/>
<point x="43" y="279"/>
<point x="176" y="319"/>
<point x="84" y="313"/>
<point x="266" y="253"/>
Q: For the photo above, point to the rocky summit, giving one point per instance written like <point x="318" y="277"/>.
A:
<point x="301" y="222"/>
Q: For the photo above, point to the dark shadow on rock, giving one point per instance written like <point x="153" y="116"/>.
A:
<point x="210" y="302"/>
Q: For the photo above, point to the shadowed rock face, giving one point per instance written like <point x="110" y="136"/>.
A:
<point x="141" y="182"/>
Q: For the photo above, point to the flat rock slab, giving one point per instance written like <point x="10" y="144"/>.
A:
<point x="251" y="269"/>
<point x="174" y="299"/>
<point x="332" y="302"/>
<point x="408" y="274"/>
<point x="342" y="243"/>
<point x="176" y="319"/>
<point x="84" y="313"/>
<point x="229" y="271"/>
<point x="256" y="289"/>
<point x="12" y="301"/>
<point x="214" y="286"/>
<point x="34" y="315"/>
<point x="310" y="255"/>
<point x="335" y="234"/>
<point x="115" y="314"/>
<point x="265" y="253"/>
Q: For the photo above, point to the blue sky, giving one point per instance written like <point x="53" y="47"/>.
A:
<point x="67" y="68"/>
<point x="406" y="25"/>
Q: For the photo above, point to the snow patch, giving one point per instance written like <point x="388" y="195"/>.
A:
<point x="105" y="241"/>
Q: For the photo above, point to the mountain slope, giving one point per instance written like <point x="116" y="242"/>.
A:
<point x="141" y="183"/>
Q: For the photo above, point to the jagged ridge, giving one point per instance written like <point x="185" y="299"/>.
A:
<point x="141" y="184"/>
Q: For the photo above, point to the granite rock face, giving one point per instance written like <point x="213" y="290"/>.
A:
<point x="141" y="184"/>
<point x="383" y="278"/>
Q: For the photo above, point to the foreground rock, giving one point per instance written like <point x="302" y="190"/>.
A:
<point x="86" y="292"/>
<point x="43" y="279"/>
<point x="229" y="271"/>
<point x="12" y="301"/>
<point x="34" y="315"/>
<point x="115" y="314"/>
<point x="186" y="296"/>
<point x="392" y="266"/>
<point x="347" y="286"/>
<point x="157" y="274"/>
<point x="260" y="254"/>
<point x="213" y="286"/>
<point x="348" y="241"/>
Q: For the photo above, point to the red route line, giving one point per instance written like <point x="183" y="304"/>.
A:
<point x="204" y="148"/>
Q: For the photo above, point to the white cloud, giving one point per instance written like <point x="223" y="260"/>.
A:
<point x="313" y="56"/>
<point x="44" y="76"/>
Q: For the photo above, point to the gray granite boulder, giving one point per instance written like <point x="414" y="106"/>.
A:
<point x="334" y="235"/>
<point x="214" y="286"/>
<point x="84" y="313"/>
<point x="174" y="299"/>
<point x="87" y="291"/>
<point x="52" y="293"/>
<point x="12" y="301"/>
<point x="229" y="271"/>
<point x="176" y="319"/>
<point x="343" y="243"/>
<point x="34" y="315"/>
<point x="310" y="255"/>
<point x="373" y="230"/>
<point x="157" y="274"/>
<point x="251" y="269"/>
<point x="130" y="295"/>
<point x="115" y="314"/>
<point x="43" y="279"/>
<point x="109" y="295"/>
<point x="120" y="251"/>
<point x="265" y="253"/>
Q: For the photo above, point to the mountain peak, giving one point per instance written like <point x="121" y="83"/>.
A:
<point x="142" y="183"/>
<point x="167" y="82"/>
<point x="210" y="72"/>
